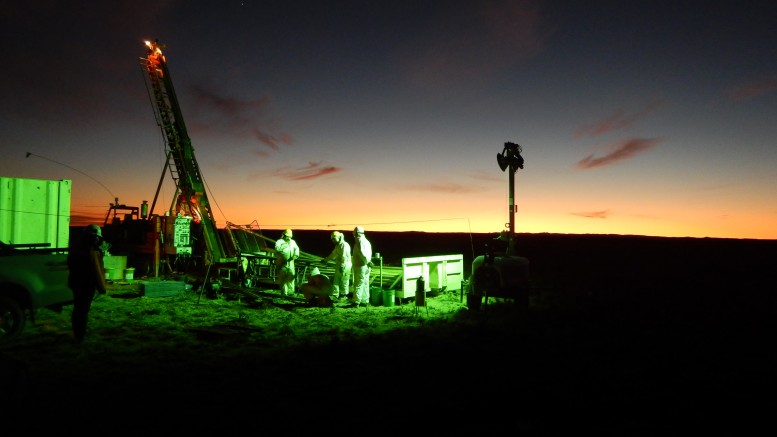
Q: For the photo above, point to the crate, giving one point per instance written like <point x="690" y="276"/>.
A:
<point x="440" y="272"/>
<point x="161" y="288"/>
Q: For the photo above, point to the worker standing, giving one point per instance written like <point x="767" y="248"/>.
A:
<point x="341" y="256"/>
<point x="86" y="276"/>
<point x="362" y="256"/>
<point x="286" y="252"/>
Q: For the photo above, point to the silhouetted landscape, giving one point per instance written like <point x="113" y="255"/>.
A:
<point x="625" y="335"/>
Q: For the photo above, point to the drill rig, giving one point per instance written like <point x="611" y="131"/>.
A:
<point x="190" y="199"/>
<point x="187" y="231"/>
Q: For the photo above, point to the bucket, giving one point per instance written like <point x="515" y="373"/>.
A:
<point x="113" y="274"/>
<point x="129" y="274"/>
<point x="388" y="298"/>
<point x="376" y="296"/>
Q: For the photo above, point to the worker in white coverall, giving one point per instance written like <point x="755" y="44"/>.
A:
<point x="286" y="251"/>
<point x="362" y="256"/>
<point x="341" y="256"/>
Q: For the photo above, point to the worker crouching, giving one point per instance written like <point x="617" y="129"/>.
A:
<point x="318" y="291"/>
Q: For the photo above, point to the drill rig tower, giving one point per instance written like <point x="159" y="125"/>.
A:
<point x="191" y="199"/>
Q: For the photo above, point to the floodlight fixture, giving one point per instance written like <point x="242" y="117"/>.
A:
<point x="510" y="157"/>
<point x="502" y="161"/>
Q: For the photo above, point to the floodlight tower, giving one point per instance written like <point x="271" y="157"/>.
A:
<point x="502" y="275"/>
<point x="511" y="158"/>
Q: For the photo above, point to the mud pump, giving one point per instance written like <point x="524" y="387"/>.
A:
<point x="502" y="275"/>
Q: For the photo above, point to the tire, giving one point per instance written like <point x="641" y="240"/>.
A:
<point x="485" y="281"/>
<point x="12" y="318"/>
<point x="473" y="301"/>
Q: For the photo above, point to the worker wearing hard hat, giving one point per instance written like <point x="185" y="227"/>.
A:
<point x="341" y="256"/>
<point x="319" y="290"/>
<point x="286" y="251"/>
<point x="86" y="276"/>
<point x="362" y="254"/>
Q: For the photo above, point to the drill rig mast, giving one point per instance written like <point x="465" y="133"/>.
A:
<point x="191" y="199"/>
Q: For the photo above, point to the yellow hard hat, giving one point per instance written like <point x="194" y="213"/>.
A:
<point x="287" y="232"/>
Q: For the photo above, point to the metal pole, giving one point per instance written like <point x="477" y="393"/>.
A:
<point x="511" y="237"/>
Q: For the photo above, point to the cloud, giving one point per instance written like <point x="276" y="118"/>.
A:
<point x="488" y="177"/>
<point x="593" y="214"/>
<point x="235" y="117"/>
<point x="617" y="121"/>
<point x="765" y="85"/>
<point x="80" y="218"/>
<point x="466" y="44"/>
<point x="312" y="171"/>
<point x="261" y="153"/>
<point x="450" y="187"/>
<point x="621" y="151"/>
<point x="272" y="141"/>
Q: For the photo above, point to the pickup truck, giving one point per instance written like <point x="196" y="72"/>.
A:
<point x="30" y="278"/>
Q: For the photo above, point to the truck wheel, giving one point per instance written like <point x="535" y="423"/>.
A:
<point x="11" y="318"/>
<point x="474" y="300"/>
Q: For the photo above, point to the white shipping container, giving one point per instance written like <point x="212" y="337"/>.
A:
<point x="35" y="212"/>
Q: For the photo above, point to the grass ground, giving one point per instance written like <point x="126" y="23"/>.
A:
<point x="617" y="341"/>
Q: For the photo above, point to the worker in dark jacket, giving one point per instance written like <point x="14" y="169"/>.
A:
<point x="87" y="276"/>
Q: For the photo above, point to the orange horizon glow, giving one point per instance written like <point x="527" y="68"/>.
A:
<point x="552" y="223"/>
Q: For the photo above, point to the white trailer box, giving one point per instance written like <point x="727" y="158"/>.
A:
<point x="35" y="212"/>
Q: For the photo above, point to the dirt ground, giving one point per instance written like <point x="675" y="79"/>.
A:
<point x="126" y="323"/>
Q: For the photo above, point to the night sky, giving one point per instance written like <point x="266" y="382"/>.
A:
<point x="645" y="118"/>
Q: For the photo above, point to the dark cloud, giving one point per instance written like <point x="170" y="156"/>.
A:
<point x="757" y="88"/>
<point x="617" y="121"/>
<point x="273" y="141"/>
<point x="489" y="177"/>
<point x="261" y="153"/>
<point x="312" y="171"/>
<point x="84" y="218"/>
<point x="235" y="117"/>
<point x="475" y="41"/>
<point x="621" y="151"/>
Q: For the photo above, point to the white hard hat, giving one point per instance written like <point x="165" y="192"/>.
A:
<point x="315" y="271"/>
<point x="358" y="230"/>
